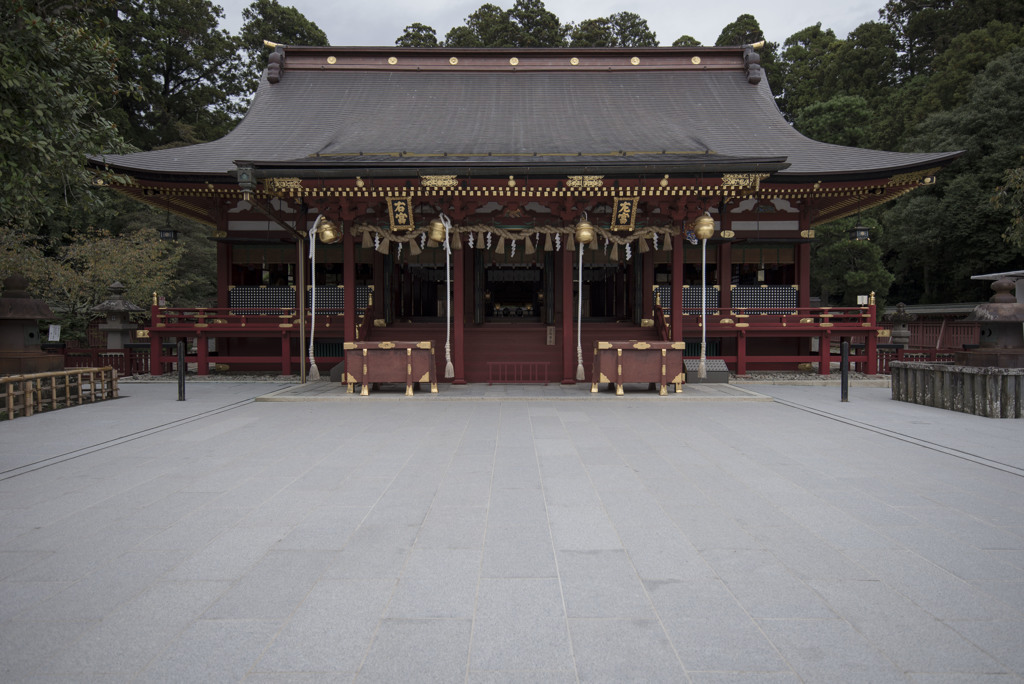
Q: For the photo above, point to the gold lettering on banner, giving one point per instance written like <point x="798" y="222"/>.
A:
<point x="279" y="186"/>
<point x="584" y="181"/>
<point x="744" y="180"/>
<point x="439" y="181"/>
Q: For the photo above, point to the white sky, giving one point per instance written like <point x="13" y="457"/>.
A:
<point x="380" y="22"/>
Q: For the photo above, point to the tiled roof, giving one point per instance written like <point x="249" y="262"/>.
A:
<point x="362" y="114"/>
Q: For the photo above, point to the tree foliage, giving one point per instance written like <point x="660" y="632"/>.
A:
<point x="747" y="31"/>
<point x="527" y="24"/>
<point x="58" y="82"/>
<point x="844" y="267"/>
<point x="188" y="72"/>
<point x="685" y="41"/>
<point x="623" y="29"/>
<point x="269" y="20"/>
<point x="954" y="228"/>
<point x="417" y="35"/>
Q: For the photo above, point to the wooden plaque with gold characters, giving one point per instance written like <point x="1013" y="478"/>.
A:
<point x="400" y="214"/>
<point x="624" y="213"/>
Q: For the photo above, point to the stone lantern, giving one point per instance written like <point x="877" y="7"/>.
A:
<point x="119" y="327"/>
<point x="1002" y="335"/>
<point x="21" y="351"/>
<point x="900" y="320"/>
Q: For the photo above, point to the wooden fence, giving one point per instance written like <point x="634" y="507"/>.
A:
<point x="37" y="392"/>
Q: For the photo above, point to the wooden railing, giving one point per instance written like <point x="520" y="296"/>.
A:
<point x="887" y="354"/>
<point x="38" y="392"/>
<point x="130" y="361"/>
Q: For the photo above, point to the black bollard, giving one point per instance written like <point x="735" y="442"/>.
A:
<point x="181" y="370"/>
<point x="844" y="365"/>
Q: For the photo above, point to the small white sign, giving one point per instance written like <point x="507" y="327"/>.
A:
<point x="54" y="333"/>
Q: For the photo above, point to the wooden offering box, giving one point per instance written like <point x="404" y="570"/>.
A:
<point x="632" y="361"/>
<point x="374" y="362"/>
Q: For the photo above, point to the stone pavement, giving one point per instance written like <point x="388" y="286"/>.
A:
<point x="510" y="535"/>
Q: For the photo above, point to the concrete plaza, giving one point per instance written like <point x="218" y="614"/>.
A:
<point x="744" y="534"/>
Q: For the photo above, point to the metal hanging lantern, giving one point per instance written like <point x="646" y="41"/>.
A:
<point x="435" y="231"/>
<point x="704" y="226"/>
<point x="328" y="232"/>
<point x="585" y="232"/>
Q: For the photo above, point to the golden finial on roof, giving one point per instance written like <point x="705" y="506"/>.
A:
<point x="270" y="44"/>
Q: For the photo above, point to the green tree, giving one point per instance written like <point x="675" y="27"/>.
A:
<point x="58" y="83"/>
<point x="623" y="29"/>
<point x="269" y="20"/>
<point x="845" y="267"/>
<point x="188" y="71"/>
<point x="488" y="26"/>
<point x="746" y="31"/>
<point x="78" y="275"/>
<point x="842" y="120"/>
<point x="527" y="24"/>
<point x="536" y="26"/>
<point x="417" y="35"/>
<point x="943" y="234"/>
<point x="686" y="41"/>
<point x="1010" y="196"/>
<point x="802" y="69"/>
<point x="926" y="28"/>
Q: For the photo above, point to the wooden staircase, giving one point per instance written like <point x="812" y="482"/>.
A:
<point x="515" y="342"/>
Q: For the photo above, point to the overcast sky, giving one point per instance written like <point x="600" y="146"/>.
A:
<point x="380" y="22"/>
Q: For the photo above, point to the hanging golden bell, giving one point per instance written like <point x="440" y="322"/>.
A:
<point x="704" y="226"/>
<point x="435" y="231"/>
<point x="584" y="232"/>
<point x="328" y="232"/>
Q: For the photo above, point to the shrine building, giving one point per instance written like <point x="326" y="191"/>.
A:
<point x="454" y="194"/>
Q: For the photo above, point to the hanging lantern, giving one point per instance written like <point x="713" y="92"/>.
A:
<point x="704" y="226"/>
<point x="328" y="232"/>
<point x="585" y="232"/>
<point x="435" y="231"/>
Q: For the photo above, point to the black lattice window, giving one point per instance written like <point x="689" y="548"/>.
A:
<point x="691" y="299"/>
<point x="251" y="301"/>
<point x="771" y="299"/>
<point x="332" y="298"/>
<point x="663" y="294"/>
<point x="328" y="299"/>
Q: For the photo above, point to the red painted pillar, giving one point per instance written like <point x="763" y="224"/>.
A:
<point x="568" y="315"/>
<point x="459" y="316"/>
<point x="724" y="271"/>
<point x="224" y="259"/>
<point x="825" y="354"/>
<point x="741" y="353"/>
<point x="803" y="278"/>
<point x="647" y="286"/>
<point x="677" y="288"/>
<point x="349" y="281"/>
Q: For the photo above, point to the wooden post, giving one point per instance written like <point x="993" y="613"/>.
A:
<point x="155" y="366"/>
<point x="459" y="315"/>
<point x="724" y="271"/>
<point x="349" y="282"/>
<point x="676" y="315"/>
<point x="825" y="353"/>
<point x="568" y="314"/>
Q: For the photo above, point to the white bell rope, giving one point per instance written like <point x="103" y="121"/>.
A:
<point x="449" y="368"/>
<point x="580" y="373"/>
<point x="314" y="372"/>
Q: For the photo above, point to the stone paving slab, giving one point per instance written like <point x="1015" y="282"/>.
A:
<point x="510" y="534"/>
